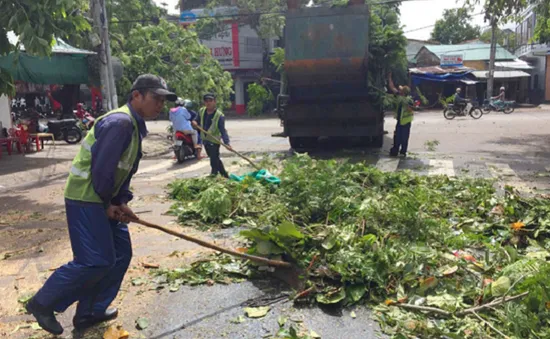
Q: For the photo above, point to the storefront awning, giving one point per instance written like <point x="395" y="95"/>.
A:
<point x="66" y="65"/>
<point x="516" y="64"/>
<point x="501" y="74"/>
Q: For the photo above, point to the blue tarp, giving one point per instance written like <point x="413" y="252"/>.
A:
<point x="447" y="77"/>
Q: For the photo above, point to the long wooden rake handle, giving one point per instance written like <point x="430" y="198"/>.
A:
<point x="275" y="263"/>
<point x="229" y="148"/>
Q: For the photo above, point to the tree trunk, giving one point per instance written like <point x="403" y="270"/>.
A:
<point x="491" y="78"/>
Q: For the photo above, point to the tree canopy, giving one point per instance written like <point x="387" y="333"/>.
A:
<point x="175" y="54"/>
<point x="506" y="40"/>
<point x="542" y="29"/>
<point x="455" y="27"/>
<point x="36" y="23"/>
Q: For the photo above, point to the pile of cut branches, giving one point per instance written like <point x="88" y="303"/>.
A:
<point x="439" y="257"/>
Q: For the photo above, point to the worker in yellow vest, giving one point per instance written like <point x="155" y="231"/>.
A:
<point x="211" y="119"/>
<point x="96" y="197"/>
<point x="404" y="116"/>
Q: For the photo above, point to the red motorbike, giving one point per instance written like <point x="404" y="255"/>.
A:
<point x="183" y="147"/>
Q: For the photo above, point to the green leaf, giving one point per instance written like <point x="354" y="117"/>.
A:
<point x="257" y="312"/>
<point x="142" y="323"/>
<point x="356" y="292"/>
<point x="353" y="315"/>
<point x="282" y="321"/>
<point x="42" y="42"/>
<point x="314" y="334"/>
<point x="331" y="297"/>
<point x="330" y="242"/>
<point x="266" y="247"/>
<point x="445" y="301"/>
<point x="500" y="286"/>
<point x="138" y="281"/>
<point x="288" y="229"/>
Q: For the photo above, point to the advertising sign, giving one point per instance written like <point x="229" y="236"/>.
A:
<point x="452" y="60"/>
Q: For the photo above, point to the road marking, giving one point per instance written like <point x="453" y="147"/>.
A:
<point x="171" y="174"/>
<point x="387" y="164"/>
<point x="164" y="164"/>
<point x="506" y="175"/>
<point x="441" y="167"/>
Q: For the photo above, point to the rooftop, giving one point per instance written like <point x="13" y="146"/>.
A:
<point x="59" y="47"/>
<point x="471" y="52"/>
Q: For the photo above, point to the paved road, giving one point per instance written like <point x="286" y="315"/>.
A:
<point x="515" y="149"/>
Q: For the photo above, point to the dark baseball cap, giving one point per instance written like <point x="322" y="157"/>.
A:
<point x="210" y="96"/>
<point x="155" y="84"/>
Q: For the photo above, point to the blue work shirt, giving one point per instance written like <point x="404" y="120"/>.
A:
<point x="113" y="136"/>
<point x="181" y="119"/>
<point x="208" y="123"/>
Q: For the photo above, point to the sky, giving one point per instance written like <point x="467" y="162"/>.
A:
<point x="414" y="14"/>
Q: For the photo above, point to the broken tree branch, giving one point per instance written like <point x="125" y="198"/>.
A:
<point x="490" y="325"/>
<point x="424" y="309"/>
<point x="464" y="312"/>
<point x="491" y="304"/>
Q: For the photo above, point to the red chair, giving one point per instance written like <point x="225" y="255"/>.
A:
<point x="23" y="137"/>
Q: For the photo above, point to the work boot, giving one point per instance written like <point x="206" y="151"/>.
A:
<point x="84" y="322"/>
<point x="44" y="317"/>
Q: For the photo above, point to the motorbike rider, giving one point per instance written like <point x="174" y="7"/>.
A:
<point x="181" y="119"/>
<point x="499" y="99"/>
<point x="459" y="101"/>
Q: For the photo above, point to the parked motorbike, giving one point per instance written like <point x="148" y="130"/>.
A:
<point x="183" y="147"/>
<point x="506" y="107"/>
<point x="66" y="129"/>
<point x="471" y="108"/>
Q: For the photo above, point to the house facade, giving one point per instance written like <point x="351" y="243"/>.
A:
<point x="474" y="57"/>
<point x="537" y="54"/>
<point x="236" y="47"/>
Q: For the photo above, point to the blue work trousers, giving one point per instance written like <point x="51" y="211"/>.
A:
<point x="102" y="252"/>
<point x="401" y="139"/>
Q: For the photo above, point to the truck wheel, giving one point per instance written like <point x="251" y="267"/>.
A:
<point x="299" y="144"/>
<point x="378" y="141"/>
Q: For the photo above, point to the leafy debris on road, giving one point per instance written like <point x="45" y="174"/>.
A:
<point x="431" y="145"/>
<point x="116" y="332"/>
<point x="142" y="323"/>
<point x="435" y="254"/>
<point x="256" y="312"/>
<point x="220" y="268"/>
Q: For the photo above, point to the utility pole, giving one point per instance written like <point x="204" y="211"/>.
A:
<point x="107" y="43"/>
<point x="491" y="78"/>
<point x="96" y="10"/>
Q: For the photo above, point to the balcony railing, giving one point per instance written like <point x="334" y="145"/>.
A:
<point x="532" y="48"/>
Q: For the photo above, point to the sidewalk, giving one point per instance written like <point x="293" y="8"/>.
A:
<point x="24" y="171"/>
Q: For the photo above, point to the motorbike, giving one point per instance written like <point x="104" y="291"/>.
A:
<point x="86" y="120"/>
<point x="471" y="108"/>
<point x="183" y="147"/>
<point x="506" y="107"/>
<point x="66" y="129"/>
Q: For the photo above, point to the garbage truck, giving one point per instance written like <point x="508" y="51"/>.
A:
<point x="325" y="86"/>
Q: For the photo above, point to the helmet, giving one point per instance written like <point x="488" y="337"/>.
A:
<point x="459" y="90"/>
<point x="502" y="89"/>
<point x="179" y="102"/>
<point x="188" y="104"/>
